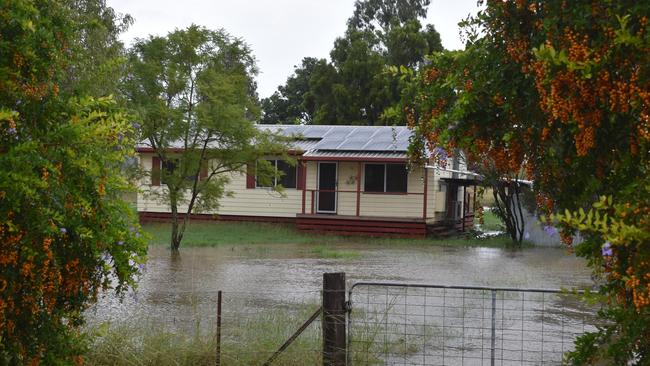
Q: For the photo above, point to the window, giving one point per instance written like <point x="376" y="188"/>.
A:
<point x="390" y="178"/>
<point x="163" y="171"/>
<point x="375" y="178"/>
<point x="168" y="168"/>
<point x="287" y="178"/>
<point x="396" y="178"/>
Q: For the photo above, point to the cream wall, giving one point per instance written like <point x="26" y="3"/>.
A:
<point x="244" y="201"/>
<point x="265" y="202"/>
<point x="373" y="204"/>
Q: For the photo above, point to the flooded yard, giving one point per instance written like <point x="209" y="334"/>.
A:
<point x="270" y="290"/>
<point x="174" y="287"/>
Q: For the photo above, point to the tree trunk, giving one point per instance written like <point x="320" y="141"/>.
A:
<point x="508" y="204"/>
<point x="175" y="239"/>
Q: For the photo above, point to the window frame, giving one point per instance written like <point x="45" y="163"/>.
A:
<point x="385" y="191"/>
<point x="276" y="179"/>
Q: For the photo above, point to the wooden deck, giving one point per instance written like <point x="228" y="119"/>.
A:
<point x="362" y="225"/>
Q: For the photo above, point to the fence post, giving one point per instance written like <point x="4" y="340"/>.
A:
<point x="494" y="328"/>
<point x="334" y="313"/>
<point x="219" y="328"/>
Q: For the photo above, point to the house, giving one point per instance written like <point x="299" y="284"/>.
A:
<point x="347" y="180"/>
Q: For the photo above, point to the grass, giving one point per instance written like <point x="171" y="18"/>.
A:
<point x="211" y="234"/>
<point x="245" y="341"/>
<point x="214" y="234"/>
<point x="491" y="222"/>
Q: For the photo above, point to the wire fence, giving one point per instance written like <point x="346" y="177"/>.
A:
<point x="400" y="324"/>
<point x="386" y="324"/>
<point x="253" y="326"/>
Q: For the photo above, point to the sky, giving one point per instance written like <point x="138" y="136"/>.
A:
<point x="279" y="32"/>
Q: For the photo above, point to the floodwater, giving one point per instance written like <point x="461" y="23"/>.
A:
<point x="174" y="287"/>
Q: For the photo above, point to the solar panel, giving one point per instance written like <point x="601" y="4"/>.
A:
<point x="353" y="144"/>
<point x="316" y="131"/>
<point x="329" y="144"/>
<point x="383" y="144"/>
<point x="384" y="133"/>
<point x="362" y="133"/>
<point x="349" y="138"/>
<point x="338" y="133"/>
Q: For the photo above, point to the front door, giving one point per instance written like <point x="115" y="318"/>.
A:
<point x="327" y="173"/>
<point x="453" y="205"/>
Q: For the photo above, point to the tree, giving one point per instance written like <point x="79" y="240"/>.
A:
<point x="97" y="55"/>
<point x="291" y="103"/>
<point x="564" y="89"/>
<point x="354" y="88"/>
<point x="459" y="102"/>
<point x="386" y="13"/>
<point x="194" y="91"/>
<point x="65" y="233"/>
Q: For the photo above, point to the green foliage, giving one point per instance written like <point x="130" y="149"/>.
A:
<point x="65" y="233"/>
<point x="368" y="14"/>
<point x="292" y="103"/>
<point x="97" y="59"/>
<point x="559" y="92"/>
<point x="355" y="87"/>
<point x="194" y="95"/>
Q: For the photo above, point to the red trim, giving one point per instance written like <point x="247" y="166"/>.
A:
<point x="327" y="158"/>
<point x="304" y="184"/>
<point x="367" y="226"/>
<point x="204" y="170"/>
<point x="250" y="176"/>
<point x="166" y="217"/>
<point x="426" y="193"/>
<point x="155" y="171"/>
<point x="312" y="202"/>
<point x="151" y="149"/>
<point x="359" y="188"/>
<point x="393" y="193"/>
<point x="302" y="177"/>
<point x="181" y="149"/>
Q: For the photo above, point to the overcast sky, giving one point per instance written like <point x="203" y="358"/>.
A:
<point x="280" y="32"/>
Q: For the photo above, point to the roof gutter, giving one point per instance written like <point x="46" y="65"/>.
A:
<point x="453" y="171"/>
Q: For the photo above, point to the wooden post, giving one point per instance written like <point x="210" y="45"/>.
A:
<point x="304" y="184"/>
<point x="334" y="312"/>
<point x="426" y="191"/>
<point x="462" y="206"/>
<point x="474" y="200"/>
<point x="219" y="328"/>
<point x="359" y="189"/>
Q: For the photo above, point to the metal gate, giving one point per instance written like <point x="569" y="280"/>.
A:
<point x="410" y="324"/>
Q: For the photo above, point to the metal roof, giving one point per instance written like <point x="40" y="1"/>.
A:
<point x="346" y="138"/>
<point x="354" y="155"/>
<point x="371" y="143"/>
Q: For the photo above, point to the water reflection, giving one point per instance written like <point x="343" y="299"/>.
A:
<point x="254" y="277"/>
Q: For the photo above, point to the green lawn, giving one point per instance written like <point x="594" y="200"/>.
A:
<point x="211" y="234"/>
<point x="491" y="222"/>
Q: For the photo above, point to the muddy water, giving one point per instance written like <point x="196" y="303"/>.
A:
<point x="174" y="289"/>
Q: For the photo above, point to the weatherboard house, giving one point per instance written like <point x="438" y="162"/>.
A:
<point x="350" y="180"/>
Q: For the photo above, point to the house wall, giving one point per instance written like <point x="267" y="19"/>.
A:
<point x="266" y="202"/>
<point x="245" y="202"/>
<point x="375" y="204"/>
